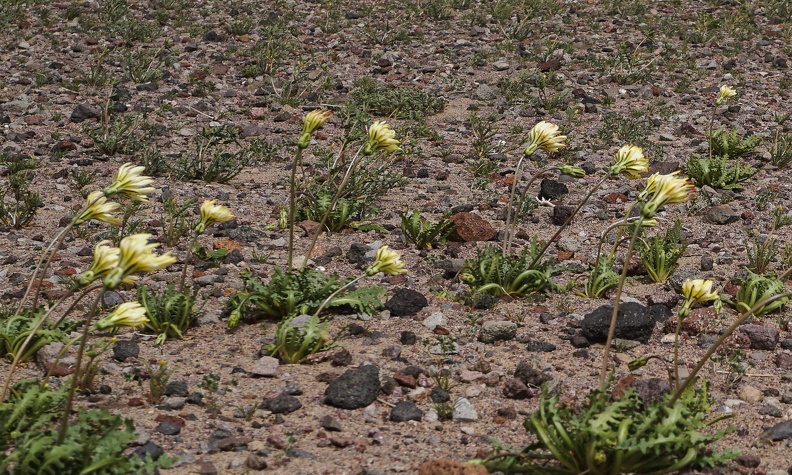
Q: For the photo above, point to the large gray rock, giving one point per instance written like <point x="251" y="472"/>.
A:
<point x="493" y="331"/>
<point x="354" y="389"/>
<point x="780" y="431"/>
<point x="762" y="337"/>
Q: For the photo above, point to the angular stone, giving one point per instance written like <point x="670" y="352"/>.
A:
<point x="266" y="366"/>
<point x="634" y="322"/>
<point x="552" y="189"/>
<point x="464" y="411"/>
<point x="722" y="214"/>
<point x="493" y="331"/>
<point x="561" y="213"/>
<point x="762" y="337"/>
<point x="406" y="302"/>
<point x="281" y="404"/>
<point x="513" y="388"/>
<point x="406" y="411"/>
<point x="354" y="389"/>
<point x="48" y="355"/>
<point x="123" y="349"/>
<point x="780" y="431"/>
<point x="470" y="227"/>
<point x="531" y="375"/>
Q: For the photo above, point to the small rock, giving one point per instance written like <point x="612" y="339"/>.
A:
<point x="433" y="320"/>
<point x="561" y="214"/>
<point x="329" y="423"/>
<point x="771" y="407"/>
<point x="530" y="375"/>
<point x="407" y="338"/>
<point x="552" y="189"/>
<point x="493" y="331"/>
<point x="168" y="428"/>
<point x="485" y="92"/>
<point x="464" y="411"/>
<point x="406" y="411"/>
<point x="470" y="227"/>
<point x="256" y="462"/>
<point x="151" y="449"/>
<point x="123" y="349"/>
<point x="175" y="403"/>
<point x="749" y="460"/>
<point x="406" y="302"/>
<point x="651" y="390"/>
<point x="281" y="404"/>
<point x="540" y="346"/>
<point x="354" y="389"/>
<point x="85" y="111"/>
<point x="749" y="394"/>
<point x="205" y="468"/>
<point x="634" y="322"/>
<point x="762" y="337"/>
<point x="513" y="388"/>
<point x="266" y="366"/>
<point x="176" y="388"/>
<point x="780" y="431"/>
<point x="48" y="355"/>
<point x="450" y="467"/>
<point x="500" y="65"/>
<point x="722" y="214"/>
<point x="440" y="395"/>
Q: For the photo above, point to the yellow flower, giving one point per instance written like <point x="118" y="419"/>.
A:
<point x="664" y="189"/>
<point x="212" y="213"/>
<point x="130" y="183"/>
<point x="695" y="291"/>
<point x="128" y="314"/>
<point x="99" y="208"/>
<point x="380" y="137"/>
<point x="135" y="256"/>
<point x="574" y="172"/>
<point x="387" y="261"/>
<point x="105" y="259"/>
<point x="630" y="162"/>
<point x="724" y="94"/>
<point x="311" y="122"/>
<point x="544" y="136"/>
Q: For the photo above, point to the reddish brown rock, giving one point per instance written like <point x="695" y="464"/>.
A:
<point x="471" y="227"/>
<point x="450" y="467"/>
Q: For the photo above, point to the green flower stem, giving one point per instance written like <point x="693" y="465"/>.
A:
<point x="539" y="255"/>
<point x="676" y="349"/>
<point x="726" y="334"/>
<point x="328" y="299"/>
<point x="83" y="340"/>
<point x="511" y="227"/>
<point x="352" y="164"/>
<point x="18" y="355"/>
<point x="618" y="224"/>
<point x="187" y="261"/>
<point x="293" y="203"/>
<point x="616" y="302"/>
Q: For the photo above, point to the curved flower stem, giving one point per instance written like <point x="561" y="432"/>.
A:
<point x="616" y="302"/>
<point x="328" y="299"/>
<point x="709" y="133"/>
<point x="75" y="379"/>
<point x="726" y="334"/>
<point x="293" y="203"/>
<point x="20" y="352"/>
<point x="538" y="257"/>
<point x="188" y="261"/>
<point x="333" y="202"/>
<point x="512" y="226"/>
<point x="676" y="351"/>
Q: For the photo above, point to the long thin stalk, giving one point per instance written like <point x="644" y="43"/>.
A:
<point x="78" y="366"/>
<point x="330" y="208"/>
<point x="328" y="299"/>
<point x="617" y="301"/>
<point x="726" y="334"/>
<point x="187" y="262"/>
<point x="538" y="257"/>
<point x="293" y="204"/>
<point x="511" y="227"/>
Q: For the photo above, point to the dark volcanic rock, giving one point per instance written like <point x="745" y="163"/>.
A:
<point x="123" y="349"/>
<point x="354" y="389"/>
<point x="406" y="411"/>
<point x="406" y="302"/>
<point x="634" y="322"/>
<point x="551" y="189"/>
<point x="281" y="404"/>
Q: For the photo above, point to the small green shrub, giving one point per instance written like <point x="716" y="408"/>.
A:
<point x="14" y="330"/>
<point x="210" y="161"/>
<point x="660" y="255"/>
<point x="731" y="145"/>
<point x="396" y="102"/>
<point x="297" y="338"/>
<point x="754" y="288"/>
<point x="171" y="312"/>
<point x="601" y="278"/>
<point x="423" y="233"/>
<point x="719" y="171"/>
<point x="499" y="274"/>
<point x="781" y="153"/>
<point x="24" y="203"/>
<point x="298" y="292"/>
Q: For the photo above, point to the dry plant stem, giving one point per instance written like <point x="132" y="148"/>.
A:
<point x="41" y="267"/>
<point x="676" y="351"/>
<point x="328" y="299"/>
<point x="187" y="262"/>
<point x="580" y="206"/>
<point x="35" y="329"/>
<point x="293" y="204"/>
<point x="616" y="302"/>
<point x="709" y="137"/>
<point x="517" y="176"/>
<point x="76" y="377"/>
<point x="330" y="208"/>
<point x="712" y="349"/>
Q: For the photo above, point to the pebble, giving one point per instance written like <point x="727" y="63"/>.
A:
<point x="265" y="366"/>
<point x="749" y="394"/>
<point x="464" y="411"/>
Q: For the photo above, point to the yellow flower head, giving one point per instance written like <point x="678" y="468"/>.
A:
<point x="99" y="208"/>
<point x="128" y="314"/>
<point x="665" y="189"/>
<point x="630" y="162"/>
<point x="380" y="137"/>
<point x="311" y="122"/>
<point x="574" y="172"/>
<point x="105" y="259"/>
<point x="545" y="136"/>
<point x="135" y="256"/>
<point x="212" y="213"/>
<point x="695" y="291"/>
<point x="387" y="261"/>
<point x="131" y="183"/>
<point x="724" y="94"/>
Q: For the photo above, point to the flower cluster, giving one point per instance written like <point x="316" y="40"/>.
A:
<point x="544" y="136"/>
<point x="630" y="162"/>
<point x="212" y="213"/>
<point x="311" y="122"/>
<point x="387" y="261"/>
<point x="380" y="137"/>
<point x="135" y="256"/>
<point x="662" y="190"/>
